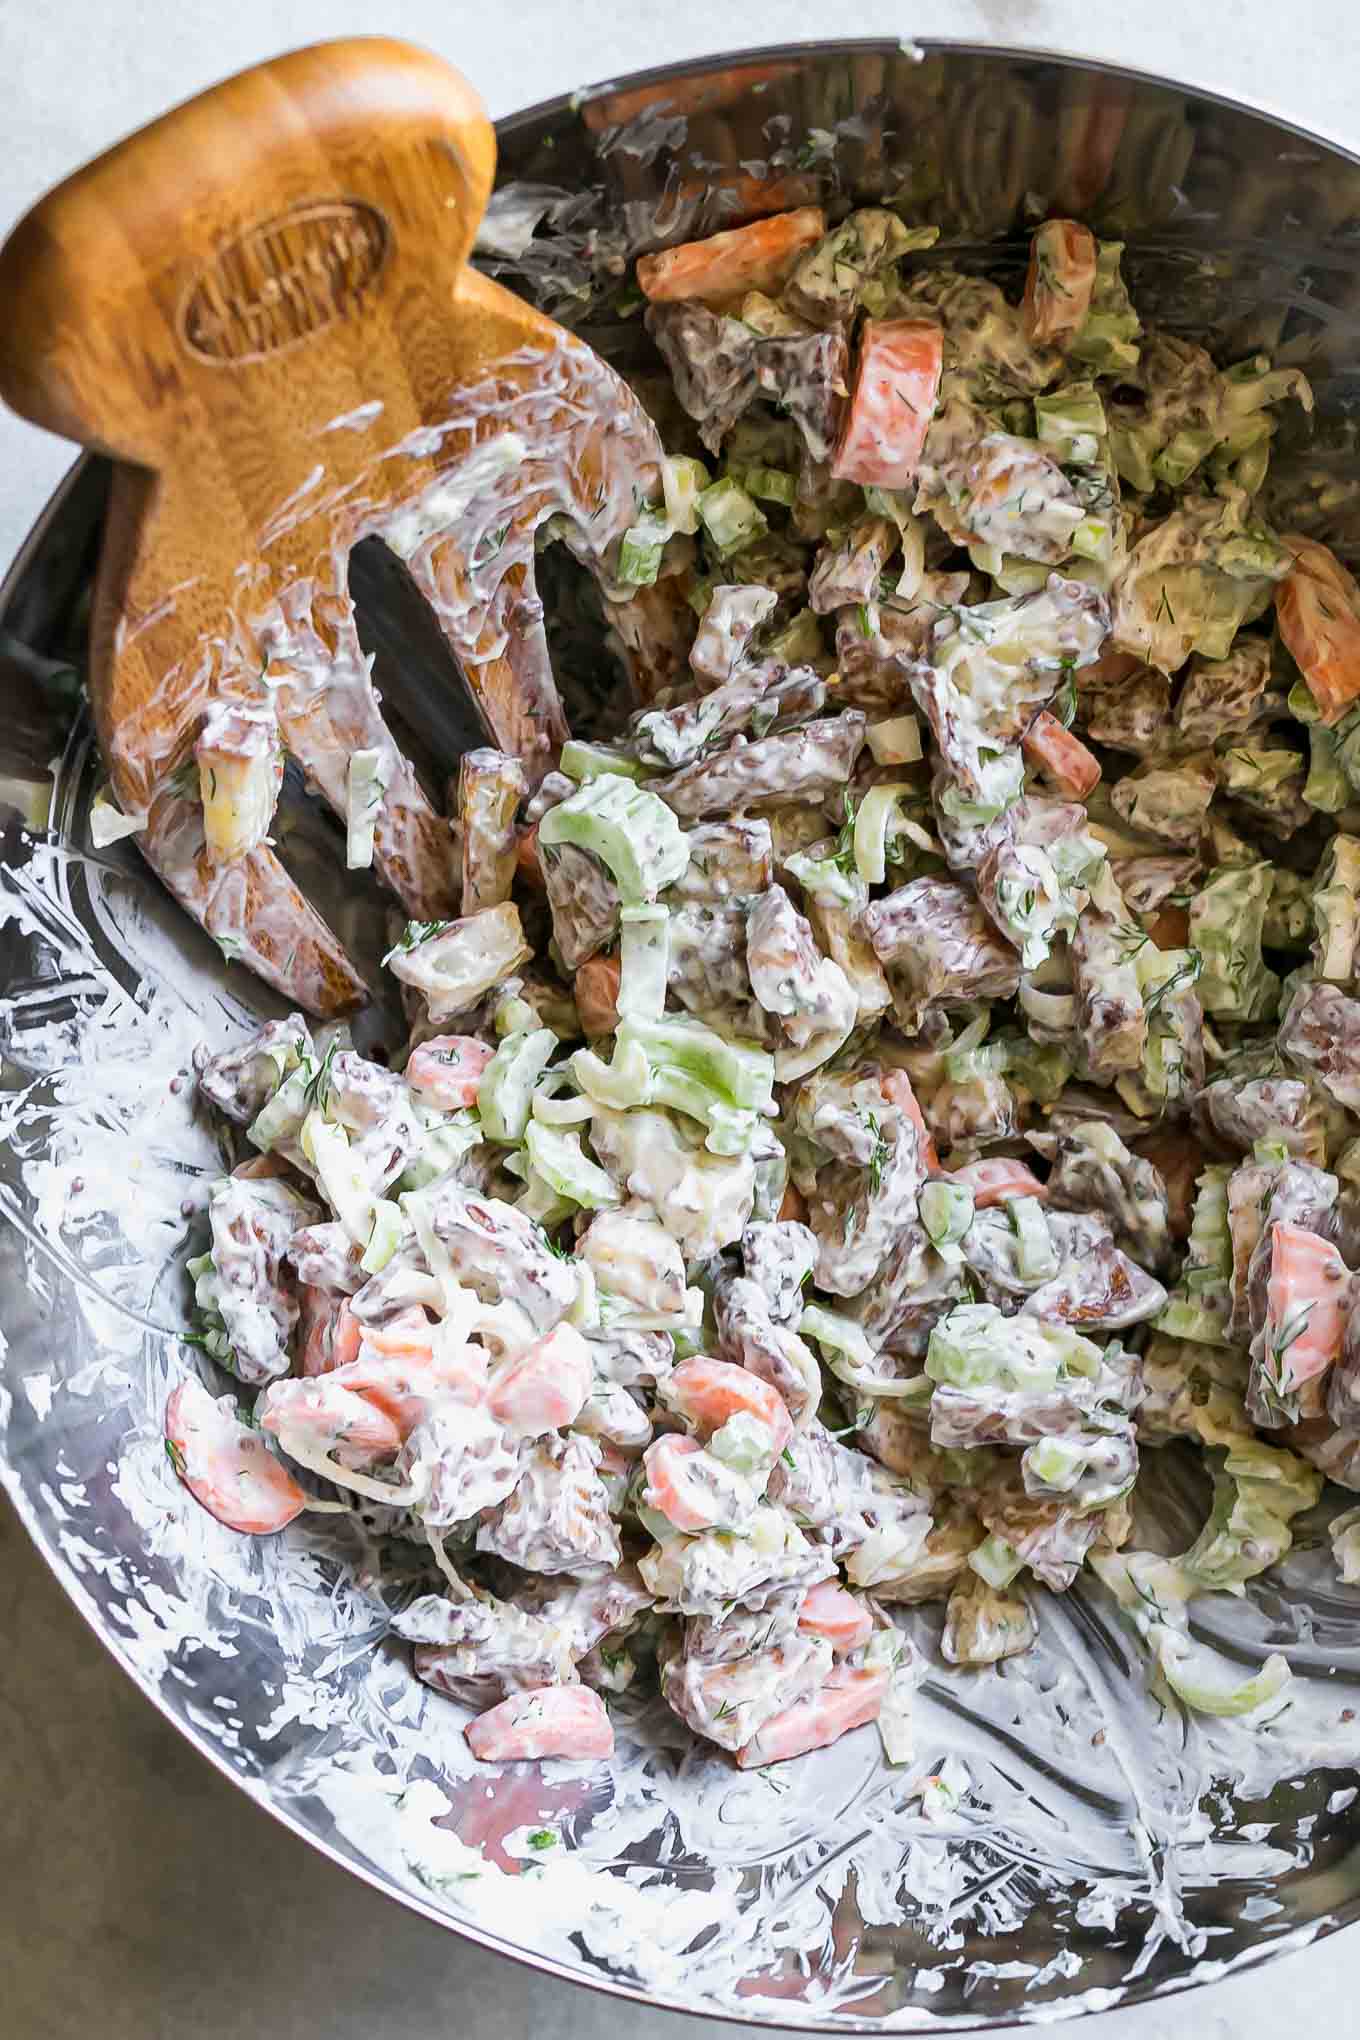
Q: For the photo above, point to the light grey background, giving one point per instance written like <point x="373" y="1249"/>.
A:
<point x="145" y="1897"/>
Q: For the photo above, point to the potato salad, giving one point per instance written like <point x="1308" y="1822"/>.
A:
<point x="898" y="1075"/>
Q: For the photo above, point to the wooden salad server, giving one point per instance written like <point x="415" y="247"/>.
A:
<point x="261" y="307"/>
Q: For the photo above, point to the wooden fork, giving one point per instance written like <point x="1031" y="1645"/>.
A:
<point x="260" y="306"/>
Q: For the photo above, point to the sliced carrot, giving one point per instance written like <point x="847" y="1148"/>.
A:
<point x="545" y="1721"/>
<point x="758" y="257"/>
<point x="998" y="1177"/>
<point x="896" y="1088"/>
<point x="407" y="1335"/>
<point x="1317" y="607"/>
<point x="330" y="1418"/>
<point x="1179" y="1160"/>
<point x="1062" y="274"/>
<point x="1307" y="1304"/>
<point x="447" y="1069"/>
<point x="671" y="1487"/>
<point x="842" y="1618"/>
<point x="848" y="1700"/>
<point x="687" y="96"/>
<point x="897" y="382"/>
<point x="330" y="1330"/>
<point x="597" y="995"/>
<point x="738" y="192"/>
<point x="543" y="1388"/>
<point x="793" y="1205"/>
<point x="226" y="1466"/>
<point x="1054" y="750"/>
<point x="708" y="1392"/>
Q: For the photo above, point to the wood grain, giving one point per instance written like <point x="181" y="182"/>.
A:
<point x="260" y="307"/>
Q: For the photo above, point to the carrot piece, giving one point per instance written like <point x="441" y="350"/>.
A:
<point x="1090" y="130"/>
<point x="544" y="1721"/>
<point x="543" y="1388"/>
<point x="226" y="1466"/>
<point x="596" y="988"/>
<point x="1062" y="274"/>
<point x="897" y="382"/>
<point x="847" y="1700"/>
<point x="1317" y="607"/>
<point x="671" y="1488"/>
<point x="708" y="1392"/>
<point x="1307" y="1304"/>
<point x="447" y="1070"/>
<point x="793" y="1204"/>
<point x="757" y="257"/>
<point x="1066" y="760"/>
<point x="994" y="1180"/>
<point x="842" y="1618"/>
<point x="896" y="1088"/>
<point x="1179" y="1160"/>
<point x="331" y="1418"/>
<point x="330" y="1331"/>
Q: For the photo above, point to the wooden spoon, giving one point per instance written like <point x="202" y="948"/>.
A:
<point x="260" y="307"/>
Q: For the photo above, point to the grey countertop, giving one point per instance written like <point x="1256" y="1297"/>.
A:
<point x="146" y="1897"/>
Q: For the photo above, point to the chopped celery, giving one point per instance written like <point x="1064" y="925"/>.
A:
<point x="583" y="762"/>
<point x="641" y="549"/>
<point x="976" y="1346"/>
<point x="946" y="1213"/>
<point x="1104" y="341"/>
<point x="1227" y="920"/>
<point x="744" y="1443"/>
<point x="627" y="828"/>
<point x="1070" y="424"/>
<point x="771" y="485"/>
<point x="683" y="481"/>
<point x="1336" y="911"/>
<point x="1258" y="1491"/>
<point x="996" y="1561"/>
<point x="644" y="952"/>
<point x="1036" y="1257"/>
<point x="799" y="643"/>
<point x="507" y="1084"/>
<point x="1201" y="1303"/>
<point x="366" y="783"/>
<point x="879" y="815"/>
<point x="1326" y="788"/>
<point x="729" y="516"/>
<point x="559" y="1159"/>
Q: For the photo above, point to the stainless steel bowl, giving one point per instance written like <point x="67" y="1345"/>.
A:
<point x="1093" y="1861"/>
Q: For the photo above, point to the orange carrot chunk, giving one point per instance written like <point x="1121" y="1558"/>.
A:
<point x="1307" y="1303"/>
<point x="544" y="1721"/>
<point x="672" y="1489"/>
<point x="1062" y="274"/>
<point x="1066" y="760"/>
<point x="842" y="1618"/>
<point x="1317" y="607"/>
<point x="226" y="1466"/>
<point x="994" y="1180"/>
<point x="758" y="257"/>
<point x="896" y="1088"/>
<point x="545" y="1387"/>
<point x="846" y="1701"/>
<point x="897" y="382"/>
<point x="708" y="1392"/>
<point x="447" y="1070"/>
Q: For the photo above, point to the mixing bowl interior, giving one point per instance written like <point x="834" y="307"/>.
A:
<point x="1104" y="1853"/>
